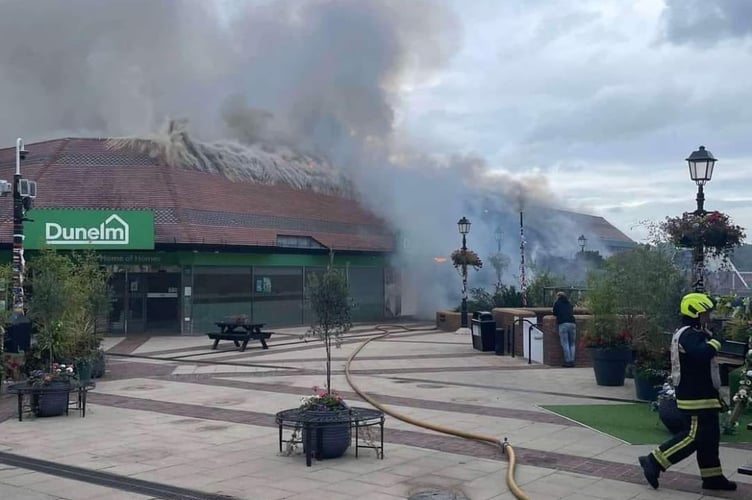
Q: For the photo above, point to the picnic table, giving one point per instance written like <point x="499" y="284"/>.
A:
<point x="239" y="332"/>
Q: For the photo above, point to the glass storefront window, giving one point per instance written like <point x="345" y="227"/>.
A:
<point x="220" y="292"/>
<point x="367" y="293"/>
<point x="277" y="296"/>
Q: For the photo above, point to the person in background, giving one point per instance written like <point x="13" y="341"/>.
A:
<point x="694" y="371"/>
<point x="564" y="313"/>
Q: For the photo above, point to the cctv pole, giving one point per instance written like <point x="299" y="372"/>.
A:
<point x="18" y="237"/>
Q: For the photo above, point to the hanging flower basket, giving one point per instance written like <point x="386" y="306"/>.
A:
<point x="714" y="231"/>
<point x="466" y="258"/>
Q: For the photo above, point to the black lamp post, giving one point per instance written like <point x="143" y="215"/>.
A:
<point x="701" y="163"/>
<point x="582" y="241"/>
<point x="18" y="237"/>
<point x="464" y="227"/>
<point x="498" y="235"/>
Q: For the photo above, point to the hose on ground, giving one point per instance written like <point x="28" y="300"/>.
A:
<point x="505" y="446"/>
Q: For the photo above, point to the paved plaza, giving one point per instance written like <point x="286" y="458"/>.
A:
<point x="174" y="419"/>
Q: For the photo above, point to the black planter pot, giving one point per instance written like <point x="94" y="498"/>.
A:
<point x="85" y="370"/>
<point x="671" y="416"/>
<point x="647" y="387"/>
<point x="97" y="370"/>
<point x="610" y="364"/>
<point x="51" y="400"/>
<point x="329" y="440"/>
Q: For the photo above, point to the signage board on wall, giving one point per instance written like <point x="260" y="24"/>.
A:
<point x="90" y="229"/>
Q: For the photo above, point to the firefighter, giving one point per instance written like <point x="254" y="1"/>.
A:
<point x="694" y="371"/>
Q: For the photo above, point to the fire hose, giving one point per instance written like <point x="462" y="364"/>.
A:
<point x="506" y="448"/>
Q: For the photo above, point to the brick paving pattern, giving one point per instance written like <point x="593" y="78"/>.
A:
<point x="224" y="369"/>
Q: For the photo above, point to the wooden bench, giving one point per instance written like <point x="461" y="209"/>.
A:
<point x="240" y="334"/>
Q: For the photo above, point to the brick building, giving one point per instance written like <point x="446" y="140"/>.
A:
<point x="187" y="248"/>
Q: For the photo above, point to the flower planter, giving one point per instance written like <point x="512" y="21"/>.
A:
<point x="670" y="415"/>
<point x="329" y="440"/>
<point x="98" y="369"/>
<point x="610" y="364"/>
<point x="84" y="370"/>
<point x="51" y="400"/>
<point x="647" y="386"/>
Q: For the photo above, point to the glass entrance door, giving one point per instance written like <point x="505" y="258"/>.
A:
<point x="162" y="305"/>
<point x="136" y="294"/>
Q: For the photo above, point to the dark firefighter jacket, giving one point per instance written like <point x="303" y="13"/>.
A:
<point x="698" y="379"/>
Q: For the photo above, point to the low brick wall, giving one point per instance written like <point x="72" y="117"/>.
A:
<point x="449" y="321"/>
<point x="552" y="353"/>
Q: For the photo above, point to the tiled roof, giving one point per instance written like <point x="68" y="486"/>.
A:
<point x="190" y="207"/>
<point x="599" y="227"/>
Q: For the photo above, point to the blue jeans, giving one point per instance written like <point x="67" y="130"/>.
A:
<point x="567" y="336"/>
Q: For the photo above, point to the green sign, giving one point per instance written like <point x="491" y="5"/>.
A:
<point x="91" y="229"/>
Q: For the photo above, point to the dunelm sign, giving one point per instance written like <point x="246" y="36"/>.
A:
<point x="94" y="229"/>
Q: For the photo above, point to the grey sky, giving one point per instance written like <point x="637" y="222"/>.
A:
<point x="604" y="97"/>
<point x="595" y="101"/>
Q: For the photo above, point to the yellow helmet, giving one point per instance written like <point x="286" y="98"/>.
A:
<point x="694" y="304"/>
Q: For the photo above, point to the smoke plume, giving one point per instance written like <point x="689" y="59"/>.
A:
<point x="304" y="92"/>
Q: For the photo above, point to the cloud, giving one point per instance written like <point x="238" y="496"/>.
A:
<point x="701" y="22"/>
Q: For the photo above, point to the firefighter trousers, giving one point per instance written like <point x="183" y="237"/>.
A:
<point x="702" y="434"/>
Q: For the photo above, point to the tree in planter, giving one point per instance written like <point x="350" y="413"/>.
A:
<point x="68" y="293"/>
<point x="51" y="304"/>
<point x="329" y="297"/>
<point x="634" y="301"/>
<point x="91" y="283"/>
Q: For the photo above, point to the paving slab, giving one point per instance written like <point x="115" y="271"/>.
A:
<point x="184" y="416"/>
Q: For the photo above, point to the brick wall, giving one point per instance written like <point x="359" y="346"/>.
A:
<point x="449" y="321"/>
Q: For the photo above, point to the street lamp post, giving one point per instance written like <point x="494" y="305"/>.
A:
<point x="464" y="227"/>
<point x="582" y="241"/>
<point x="499" y="269"/>
<point x="18" y="236"/>
<point x="701" y="163"/>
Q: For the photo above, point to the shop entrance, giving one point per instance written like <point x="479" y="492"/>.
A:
<point x="145" y="302"/>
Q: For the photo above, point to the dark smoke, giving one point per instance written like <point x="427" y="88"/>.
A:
<point x="322" y="77"/>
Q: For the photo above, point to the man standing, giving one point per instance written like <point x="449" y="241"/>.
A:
<point x="564" y="313"/>
<point x="696" y="379"/>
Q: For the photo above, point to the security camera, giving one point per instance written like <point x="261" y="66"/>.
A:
<point x="22" y="153"/>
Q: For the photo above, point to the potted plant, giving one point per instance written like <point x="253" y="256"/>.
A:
<point x="329" y="298"/>
<point x="51" y="389"/>
<point x="69" y="294"/>
<point x="634" y="299"/>
<point x="652" y="365"/>
<point x="668" y="411"/>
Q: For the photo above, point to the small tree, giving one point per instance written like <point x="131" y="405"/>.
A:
<point x="53" y="299"/>
<point x="91" y="286"/>
<point x="329" y="298"/>
<point x="68" y="293"/>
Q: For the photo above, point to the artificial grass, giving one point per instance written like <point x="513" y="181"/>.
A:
<point x="634" y="423"/>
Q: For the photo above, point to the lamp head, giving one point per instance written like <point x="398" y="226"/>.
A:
<point x="701" y="163"/>
<point x="463" y="225"/>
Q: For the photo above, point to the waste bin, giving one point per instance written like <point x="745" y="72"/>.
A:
<point x="18" y="336"/>
<point x="499" y="344"/>
<point x="483" y="329"/>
